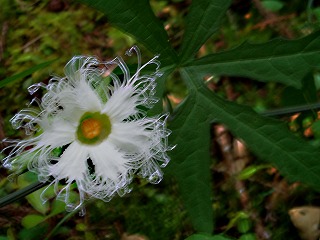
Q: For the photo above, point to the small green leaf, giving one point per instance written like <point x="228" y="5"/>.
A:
<point x="235" y="219"/>
<point x="283" y="61"/>
<point x="33" y="198"/>
<point x="32" y="220"/>
<point x="11" y="234"/>
<point x="248" y="236"/>
<point x="316" y="129"/>
<point x="250" y="171"/>
<point x="207" y="237"/>
<point x="57" y="207"/>
<point x="81" y="227"/>
<point x="272" y="5"/>
<point x="316" y="12"/>
<point x="25" y="73"/>
<point x="244" y="225"/>
<point x="35" y="201"/>
<point x="202" y="21"/>
<point x="137" y="19"/>
<point x="36" y="232"/>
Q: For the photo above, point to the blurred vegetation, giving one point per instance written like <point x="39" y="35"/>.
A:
<point x="33" y="32"/>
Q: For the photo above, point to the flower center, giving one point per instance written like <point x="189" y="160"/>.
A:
<point x="93" y="128"/>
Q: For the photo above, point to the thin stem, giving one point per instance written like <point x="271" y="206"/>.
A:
<point x="69" y="215"/>
<point x="309" y="10"/>
<point x="291" y="110"/>
<point x="21" y="193"/>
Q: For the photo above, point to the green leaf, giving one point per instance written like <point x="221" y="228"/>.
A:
<point x="35" y="201"/>
<point x="272" y="5"/>
<point x="206" y="237"/>
<point x="202" y="21"/>
<point x="248" y="236"/>
<point x="36" y="232"/>
<point x="25" y="73"/>
<point x="191" y="162"/>
<point x="250" y="171"/>
<point x="57" y="207"/>
<point x="21" y="193"/>
<point x="267" y="138"/>
<point x="32" y="220"/>
<point x="137" y="19"/>
<point x="316" y="12"/>
<point x="307" y="94"/>
<point x="279" y="60"/>
<point x="33" y="198"/>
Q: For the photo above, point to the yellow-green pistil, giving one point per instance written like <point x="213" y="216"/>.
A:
<point x="93" y="128"/>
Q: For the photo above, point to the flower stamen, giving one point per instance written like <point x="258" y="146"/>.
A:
<point x="90" y="128"/>
<point x="93" y="128"/>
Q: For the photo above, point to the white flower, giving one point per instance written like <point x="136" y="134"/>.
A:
<point x="92" y="130"/>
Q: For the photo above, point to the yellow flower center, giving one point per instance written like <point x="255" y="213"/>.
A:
<point x="93" y="128"/>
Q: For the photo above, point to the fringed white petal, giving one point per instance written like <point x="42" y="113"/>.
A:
<point x="72" y="165"/>
<point x="130" y="136"/>
<point x="86" y="98"/>
<point x="76" y="90"/>
<point x="109" y="163"/>
<point x="20" y="150"/>
<point x="82" y="68"/>
<point x="122" y="104"/>
<point x="58" y="134"/>
<point x="151" y="171"/>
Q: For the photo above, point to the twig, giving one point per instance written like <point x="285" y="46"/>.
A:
<point x="273" y="19"/>
<point x="28" y="44"/>
<point x="4" y="31"/>
<point x="2" y="133"/>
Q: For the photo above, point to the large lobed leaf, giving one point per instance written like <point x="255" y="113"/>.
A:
<point x="203" y="20"/>
<point x="191" y="161"/>
<point x="279" y="60"/>
<point x="267" y="138"/>
<point x="137" y="19"/>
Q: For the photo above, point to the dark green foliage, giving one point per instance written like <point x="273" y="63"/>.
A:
<point x="274" y="61"/>
<point x="279" y="63"/>
<point x="138" y="20"/>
